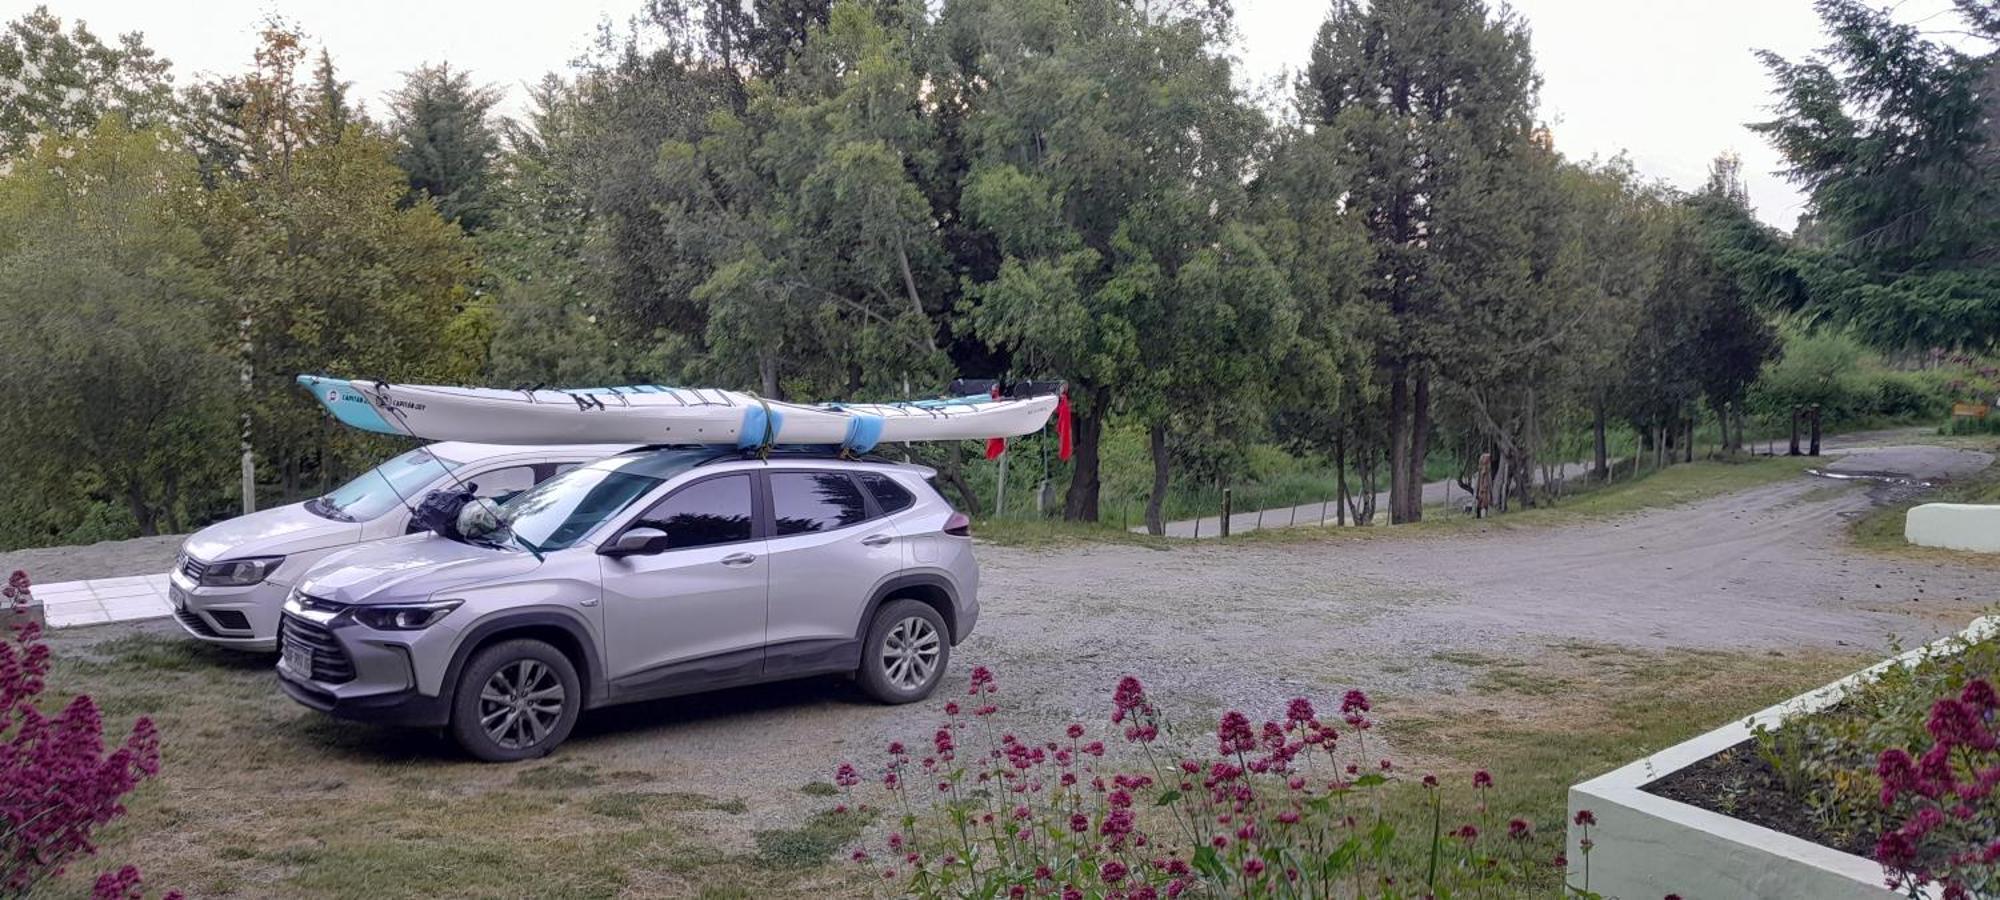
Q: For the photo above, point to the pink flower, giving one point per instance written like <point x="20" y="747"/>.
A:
<point x="1299" y="711"/>
<point x="1520" y="829"/>
<point x="1111" y="872"/>
<point x="1467" y="833"/>
<point x="1979" y="695"/>
<point x="1253" y="867"/>
<point x="1482" y="779"/>
<point x="895" y="748"/>
<point x="982" y="681"/>
<point x="1585" y="817"/>
<point x="1075" y="731"/>
<point x="846" y="776"/>
<point x="1233" y="735"/>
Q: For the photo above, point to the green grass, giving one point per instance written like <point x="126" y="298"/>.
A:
<point x="1881" y="529"/>
<point x="259" y="797"/>
<point x="1577" y="711"/>
<point x="1011" y="532"/>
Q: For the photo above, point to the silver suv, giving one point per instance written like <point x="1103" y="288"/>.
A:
<point x="648" y="574"/>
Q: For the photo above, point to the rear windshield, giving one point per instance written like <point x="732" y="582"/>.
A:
<point x="385" y="487"/>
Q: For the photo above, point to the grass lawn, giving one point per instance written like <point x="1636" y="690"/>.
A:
<point x="259" y="797"/>
<point x="1881" y="529"/>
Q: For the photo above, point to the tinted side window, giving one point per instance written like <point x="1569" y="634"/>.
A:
<point x="716" y="511"/>
<point x="889" y="495"/>
<point x="815" y="501"/>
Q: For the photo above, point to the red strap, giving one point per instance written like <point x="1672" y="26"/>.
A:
<point x="1063" y="426"/>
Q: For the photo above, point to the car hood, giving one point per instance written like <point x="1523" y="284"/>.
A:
<point x="409" y="568"/>
<point x="269" y="532"/>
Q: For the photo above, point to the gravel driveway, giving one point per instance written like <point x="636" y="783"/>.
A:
<point x="1251" y="623"/>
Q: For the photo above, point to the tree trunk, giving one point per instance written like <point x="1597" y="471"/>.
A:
<point x="1081" y="504"/>
<point x="1687" y="446"/>
<point x="1340" y="481"/>
<point x="1399" y="443"/>
<point x="1156" y="522"/>
<point x="142" y="513"/>
<point x="767" y="376"/>
<point x="1602" y="456"/>
<point x="1420" y="445"/>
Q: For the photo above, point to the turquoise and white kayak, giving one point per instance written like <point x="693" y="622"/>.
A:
<point x="652" y="414"/>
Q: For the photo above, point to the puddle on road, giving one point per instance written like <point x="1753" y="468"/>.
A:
<point x="1895" y="478"/>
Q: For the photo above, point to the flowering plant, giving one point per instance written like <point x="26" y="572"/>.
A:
<point x="57" y="783"/>
<point x="1296" y="807"/>
<point x="1946" y="801"/>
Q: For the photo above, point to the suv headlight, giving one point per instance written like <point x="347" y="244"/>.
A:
<point x="241" y="572"/>
<point x="403" y="616"/>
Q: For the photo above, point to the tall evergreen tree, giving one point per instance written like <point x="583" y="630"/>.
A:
<point x="1422" y="93"/>
<point x="1891" y="133"/>
<point x="445" y="138"/>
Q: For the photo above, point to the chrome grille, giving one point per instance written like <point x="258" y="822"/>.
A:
<point x="193" y="568"/>
<point x="329" y="660"/>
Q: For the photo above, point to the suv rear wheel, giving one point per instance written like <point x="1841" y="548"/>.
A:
<point x="515" y="700"/>
<point x="905" y="654"/>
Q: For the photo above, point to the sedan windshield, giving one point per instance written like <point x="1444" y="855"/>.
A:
<point x="385" y="487"/>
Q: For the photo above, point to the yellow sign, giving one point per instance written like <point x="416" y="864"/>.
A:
<point x="1968" y="410"/>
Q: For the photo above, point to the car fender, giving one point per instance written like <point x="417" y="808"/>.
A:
<point x="904" y="580"/>
<point x="568" y="620"/>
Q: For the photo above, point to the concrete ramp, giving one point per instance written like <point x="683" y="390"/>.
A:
<point x="1954" y="526"/>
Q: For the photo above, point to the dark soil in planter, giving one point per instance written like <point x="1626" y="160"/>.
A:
<point x="1740" y="784"/>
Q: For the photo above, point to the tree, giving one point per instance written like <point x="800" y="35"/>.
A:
<point x="54" y="82"/>
<point x="1109" y="148"/>
<point x="1892" y="136"/>
<point x="1421" y="92"/>
<point x="114" y="379"/>
<point x="445" y="139"/>
<point x="327" y="271"/>
<point x="1734" y="339"/>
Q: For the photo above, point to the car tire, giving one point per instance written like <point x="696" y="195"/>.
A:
<point x="515" y="700"/>
<point x="905" y="653"/>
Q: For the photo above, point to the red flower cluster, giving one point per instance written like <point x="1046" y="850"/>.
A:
<point x="1255" y="817"/>
<point x="57" y="783"/>
<point x="1949" y="834"/>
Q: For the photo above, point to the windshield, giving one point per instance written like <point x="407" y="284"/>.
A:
<point x="384" y="487"/>
<point x="560" y="511"/>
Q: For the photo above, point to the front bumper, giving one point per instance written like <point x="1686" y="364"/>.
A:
<point x="355" y="672"/>
<point x="244" y="618"/>
<point x="407" y="708"/>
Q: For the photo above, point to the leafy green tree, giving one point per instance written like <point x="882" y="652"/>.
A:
<point x="56" y="82"/>
<point x="445" y="139"/>
<point x="1109" y="148"/>
<point x="1735" y="338"/>
<point x="1423" y="93"/>
<point x="326" y="271"/>
<point x="115" y="384"/>
<point x="1892" y="135"/>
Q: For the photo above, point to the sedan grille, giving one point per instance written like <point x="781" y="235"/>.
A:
<point x="193" y="568"/>
<point x="329" y="660"/>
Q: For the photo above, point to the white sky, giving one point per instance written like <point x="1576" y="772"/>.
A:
<point x="1670" y="81"/>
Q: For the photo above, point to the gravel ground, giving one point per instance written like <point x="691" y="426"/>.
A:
<point x="1250" y="624"/>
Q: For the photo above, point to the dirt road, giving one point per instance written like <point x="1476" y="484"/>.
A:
<point x="1247" y="625"/>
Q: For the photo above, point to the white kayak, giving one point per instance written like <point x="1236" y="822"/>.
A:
<point x="652" y="414"/>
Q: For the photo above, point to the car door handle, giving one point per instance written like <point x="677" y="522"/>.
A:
<point x="738" y="559"/>
<point x="876" y="540"/>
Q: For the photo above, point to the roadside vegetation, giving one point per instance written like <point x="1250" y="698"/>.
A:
<point x="1251" y="303"/>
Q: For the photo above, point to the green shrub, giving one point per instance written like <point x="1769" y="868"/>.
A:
<point x="1828" y="759"/>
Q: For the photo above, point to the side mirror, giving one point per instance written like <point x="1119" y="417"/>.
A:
<point x="637" y="542"/>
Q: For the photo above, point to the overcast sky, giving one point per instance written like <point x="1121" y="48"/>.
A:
<point x="1672" y="82"/>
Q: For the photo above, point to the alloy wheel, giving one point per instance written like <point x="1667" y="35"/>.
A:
<point x="521" y="704"/>
<point x="910" y="653"/>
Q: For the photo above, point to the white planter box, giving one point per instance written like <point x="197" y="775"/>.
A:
<point x="1954" y="526"/>
<point x="1647" y="846"/>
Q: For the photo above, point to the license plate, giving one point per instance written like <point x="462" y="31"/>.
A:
<point x="299" y="660"/>
<point x="178" y="597"/>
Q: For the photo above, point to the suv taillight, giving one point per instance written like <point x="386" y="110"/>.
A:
<point x="958" y="525"/>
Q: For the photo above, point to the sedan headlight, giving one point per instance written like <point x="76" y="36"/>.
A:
<point x="403" y="616"/>
<point x="241" y="572"/>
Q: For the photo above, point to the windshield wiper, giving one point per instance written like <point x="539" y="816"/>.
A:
<point x="526" y="545"/>
<point x="326" y="508"/>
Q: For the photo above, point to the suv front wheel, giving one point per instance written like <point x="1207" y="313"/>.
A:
<point x="515" y="700"/>
<point x="905" y="654"/>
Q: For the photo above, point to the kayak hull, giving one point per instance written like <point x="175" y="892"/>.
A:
<point x="652" y="414"/>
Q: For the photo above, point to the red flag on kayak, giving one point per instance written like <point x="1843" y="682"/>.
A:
<point x="995" y="447"/>
<point x="1062" y="426"/>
